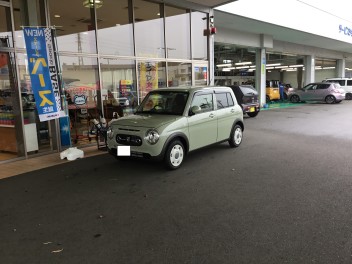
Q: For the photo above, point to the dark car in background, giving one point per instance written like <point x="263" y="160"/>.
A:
<point x="247" y="97"/>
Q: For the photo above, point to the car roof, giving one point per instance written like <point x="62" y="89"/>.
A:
<point x="318" y="83"/>
<point x="338" y="78"/>
<point x="192" y="88"/>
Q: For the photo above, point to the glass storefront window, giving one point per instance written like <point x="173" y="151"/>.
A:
<point x="6" y="39"/>
<point x="199" y="41"/>
<point x="119" y="87"/>
<point x="200" y="74"/>
<point x="82" y="91"/>
<point x="27" y="13"/>
<point x="11" y="136"/>
<point x="179" y="74"/>
<point x="75" y="27"/>
<point x="177" y="33"/>
<point x="149" y="30"/>
<point x="115" y="30"/>
<point x="151" y="75"/>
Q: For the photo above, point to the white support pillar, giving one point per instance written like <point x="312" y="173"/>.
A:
<point x="340" y="68"/>
<point x="309" y="65"/>
<point x="260" y="75"/>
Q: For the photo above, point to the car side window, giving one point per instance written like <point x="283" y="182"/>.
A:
<point x="349" y="82"/>
<point x="221" y="100"/>
<point x="204" y="101"/>
<point x="323" y="86"/>
<point x="310" y="87"/>
<point x="230" y="99"/>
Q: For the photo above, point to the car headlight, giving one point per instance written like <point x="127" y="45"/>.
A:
<point x="110" y="133"/>
<point x="127" y="103"/>
<point x="152" y="136"/>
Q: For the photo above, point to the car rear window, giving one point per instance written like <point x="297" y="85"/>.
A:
<point x="248" y="90"/>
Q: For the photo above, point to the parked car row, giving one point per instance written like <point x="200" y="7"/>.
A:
<point x="171" y="122"/>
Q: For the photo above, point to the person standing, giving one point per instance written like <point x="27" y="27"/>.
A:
<point x="281" y="89"/>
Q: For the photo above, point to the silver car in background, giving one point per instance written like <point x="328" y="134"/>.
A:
<point x="328" y="92"/>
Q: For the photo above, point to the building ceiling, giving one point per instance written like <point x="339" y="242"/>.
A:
<point x="240" y="23"/>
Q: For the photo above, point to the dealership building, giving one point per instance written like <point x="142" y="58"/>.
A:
<point x="109" y="54"/>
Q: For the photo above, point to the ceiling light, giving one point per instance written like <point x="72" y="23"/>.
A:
<point x="243" y="63"/>
<point x="273" y="64"/>
<point x="57" y="16"/>
<point x="224" y="65"/>
<point x="243" y="67"/>
<point x="296" y="66"/>
<point x="92" y="3"/>
<point x="281" y="67"/>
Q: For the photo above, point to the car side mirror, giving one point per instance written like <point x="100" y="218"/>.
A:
<point x="195" y="110"/>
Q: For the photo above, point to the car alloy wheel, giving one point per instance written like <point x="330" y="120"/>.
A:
<point x="330" y="99"/>
<point x="294" y="99"/>
<point x="236" y="136"/>
<point x="174" y="155"/>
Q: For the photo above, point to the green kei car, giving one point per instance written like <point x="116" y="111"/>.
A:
<point x="171" y="122"/>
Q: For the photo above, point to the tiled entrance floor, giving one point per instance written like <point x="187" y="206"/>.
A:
<point x="40" y="162"/>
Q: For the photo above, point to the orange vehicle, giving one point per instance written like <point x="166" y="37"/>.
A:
<point x="272" y="90"/>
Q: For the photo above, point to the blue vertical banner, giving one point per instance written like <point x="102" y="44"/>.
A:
<point x="43" y="72"/>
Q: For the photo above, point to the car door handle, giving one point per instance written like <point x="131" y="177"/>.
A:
<point x="211" y="115"/>
<point x="232" y="110"/>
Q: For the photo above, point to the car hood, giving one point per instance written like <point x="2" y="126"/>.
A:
<point x="147" y="121"/>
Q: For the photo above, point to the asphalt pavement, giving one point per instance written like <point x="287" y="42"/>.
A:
<point x="283" y="196"/>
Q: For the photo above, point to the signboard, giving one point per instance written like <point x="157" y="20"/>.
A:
<point x="43" y="72"/>
<point x="148" y="76"/>
<point x="126" y="87"/>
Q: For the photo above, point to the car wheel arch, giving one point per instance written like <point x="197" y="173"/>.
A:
<point x="177" y="136"/>
<point x="240" y="123"/>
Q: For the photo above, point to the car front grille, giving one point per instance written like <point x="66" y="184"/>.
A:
<point x="129" y="140"/>
<point x="129" y="129"/>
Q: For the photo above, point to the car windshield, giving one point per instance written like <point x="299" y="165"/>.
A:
<point x="164" y="102"/>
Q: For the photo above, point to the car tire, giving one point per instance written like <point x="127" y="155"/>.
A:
<point x="330" y="99"/>
<point x="348" y="96"/>
<point x="174" y="155"/>
<point x="253" y="114"/>
<point x="294" y="98"/>
<point x="236" y="136"/>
